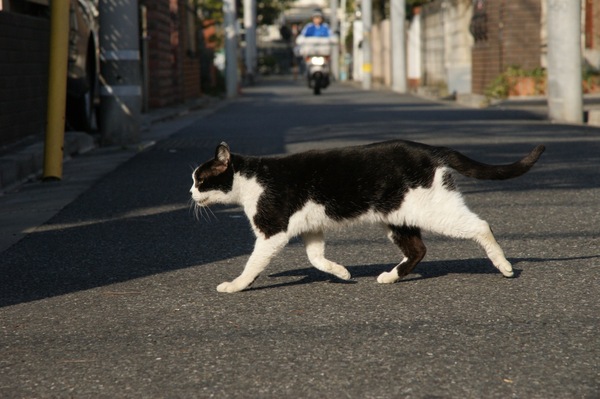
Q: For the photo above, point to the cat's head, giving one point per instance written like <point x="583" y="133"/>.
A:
<point x="213" y="179"/>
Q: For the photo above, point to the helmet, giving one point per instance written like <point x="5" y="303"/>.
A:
<point x="317" y="13"/>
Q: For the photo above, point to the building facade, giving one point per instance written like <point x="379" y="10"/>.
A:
<point x="171" y="50"/>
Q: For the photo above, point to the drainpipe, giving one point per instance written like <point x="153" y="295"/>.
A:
<point x="57" y="90"/>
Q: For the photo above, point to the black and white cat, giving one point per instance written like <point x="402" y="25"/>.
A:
<point x="402" y="185"/>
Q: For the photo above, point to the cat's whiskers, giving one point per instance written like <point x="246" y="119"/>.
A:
<point x="196" y="209"/>
<point x="202" y="211"/>
<point x="211" y="212"/>
<point x="193" y="208"/>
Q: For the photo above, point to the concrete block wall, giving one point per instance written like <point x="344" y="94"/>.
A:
<point x="513" y="38"/>
<point x="24" y="50"/>
<point x="433" y="44"/>
<point x="446" y="45"/>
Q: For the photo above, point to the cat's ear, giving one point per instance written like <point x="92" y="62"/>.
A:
<point x="222" y="154"/>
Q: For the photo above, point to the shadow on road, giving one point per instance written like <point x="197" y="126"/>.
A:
<point x="423" y="271"/>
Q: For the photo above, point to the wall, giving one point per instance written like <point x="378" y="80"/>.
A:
<point x="512" y="37"/>
<point x="174" y="68"/>
<point x="381" y="53"/>
<point x="446" y="45"/>
<point x="458" y="46"/>
<point x="23" y="76"/>
<point x="190" y="53"/>
<point x="432" y="45"/>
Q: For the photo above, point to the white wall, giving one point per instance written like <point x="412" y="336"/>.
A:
<point x="446" y="45"/>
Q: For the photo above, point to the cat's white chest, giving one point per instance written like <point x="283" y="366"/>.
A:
<point x="248" y="191"/>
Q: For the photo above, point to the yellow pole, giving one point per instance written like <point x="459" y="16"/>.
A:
<point x="57" y="89"/>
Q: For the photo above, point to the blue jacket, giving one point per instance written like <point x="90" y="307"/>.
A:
<point x="311" y="30"/>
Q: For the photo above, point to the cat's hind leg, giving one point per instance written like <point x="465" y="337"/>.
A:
<point x="486" y="239"/>
<point x="408" y="239"/>
<point x="460" y="222"/>
<point x="479" y="231"/>
<point x="264" y="250"/>
<point x="315" y="249"/>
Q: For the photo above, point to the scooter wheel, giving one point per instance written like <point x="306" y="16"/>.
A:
<point x="317" y="90"/>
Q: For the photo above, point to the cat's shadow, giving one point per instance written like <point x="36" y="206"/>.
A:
<point x="424" y="270"/>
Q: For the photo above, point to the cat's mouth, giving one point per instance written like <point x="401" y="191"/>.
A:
<point x="202" y="202"/>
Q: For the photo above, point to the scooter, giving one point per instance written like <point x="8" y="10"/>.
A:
<point x="316" y="52"/>
<point x="317" y="72"/>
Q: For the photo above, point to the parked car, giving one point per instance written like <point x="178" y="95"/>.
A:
<point x="83" y="62"/>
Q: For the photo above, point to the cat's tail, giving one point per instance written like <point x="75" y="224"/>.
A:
<point x="471" y="168"/>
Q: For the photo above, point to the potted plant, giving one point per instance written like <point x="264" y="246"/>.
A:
<point x="516" y="81"/>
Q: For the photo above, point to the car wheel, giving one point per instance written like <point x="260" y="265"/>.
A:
<point x="81" y="110"/>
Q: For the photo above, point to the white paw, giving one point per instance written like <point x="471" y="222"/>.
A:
<point x="506" y="270"/>
<point x="388" y="277"/>
<point x="229" y="287"/>
<point x="507" y="273"/>
<point x="344" y="274"/>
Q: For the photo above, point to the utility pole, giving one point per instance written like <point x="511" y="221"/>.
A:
<point x="231" y="77"/>
<point x="121" y="92"/>
<point x="398" y="15"/>
<point x="250" y="28"/>
<point x="367" y="21"/>
<point x="335" y="53"/>
<point x="342" y="40"/>
<point x="565" y="97"/>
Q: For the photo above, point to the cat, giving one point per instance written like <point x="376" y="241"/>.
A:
<point x="402" y="185"/>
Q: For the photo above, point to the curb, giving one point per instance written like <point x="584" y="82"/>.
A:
<point x="593" y="117"/>
<point x="27" y="163"/>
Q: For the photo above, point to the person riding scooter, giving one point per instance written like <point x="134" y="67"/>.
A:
<point x="315" y="45"/>
<point x="316" y="28"/>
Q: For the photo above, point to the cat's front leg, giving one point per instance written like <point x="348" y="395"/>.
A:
<point x="315" y="249"/>
<point x="264" y="250"/>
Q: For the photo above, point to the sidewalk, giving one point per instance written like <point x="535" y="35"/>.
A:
<point x="537" y="106"/>
<point x="26" y="203"/>
<point x="24" y="163"/>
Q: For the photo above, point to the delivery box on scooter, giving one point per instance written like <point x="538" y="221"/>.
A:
<point x="314" y="45"/>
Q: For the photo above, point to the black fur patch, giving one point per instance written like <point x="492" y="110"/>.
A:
<point x="348" y="182"/>
<point x="212" y="175"/>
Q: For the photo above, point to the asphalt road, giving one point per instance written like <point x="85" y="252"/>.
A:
<point x="115" y="296"/>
